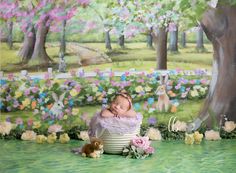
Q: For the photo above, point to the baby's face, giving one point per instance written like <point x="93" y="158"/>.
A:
<point x="120" y="105"/>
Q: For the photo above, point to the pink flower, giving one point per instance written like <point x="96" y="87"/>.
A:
<point x="149" y="150"/>
<point x="141" y="142"/>
<point x="55" y="128"/>
<point x="30" y="122"/>
<point x="19" y="121"/>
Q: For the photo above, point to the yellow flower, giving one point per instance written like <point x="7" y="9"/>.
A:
<point x="52" y="138"/>
<point x="64" y="138"/>
<point x="194" y="93"/>
<point x="40" y="139"/>
<point x="73" y="92"/>
<point x="100" y="97"/>
<point x="36" y="124"/>
<point x="26" y="102"/>
<point x="95" y="89"/>
<point x="18" y="94"/>
<point x="139" y="89"/>
<point x="148" y="89"/>
<point x="28" y="135"/>
<point x="189" y="139"/>
<point x="75" y="111"/>
<point x="197" y="137"/>
<point x="65" y="117"/>
<point x="151" y="70"/>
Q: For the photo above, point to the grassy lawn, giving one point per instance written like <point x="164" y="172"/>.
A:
<point x="187" y="111"/>
<point x="135" y="55"/>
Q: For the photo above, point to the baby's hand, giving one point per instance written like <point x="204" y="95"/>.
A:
<point x="106" y="113"/>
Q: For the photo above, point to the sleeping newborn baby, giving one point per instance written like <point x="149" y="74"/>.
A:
<point x="118" y="118"/>
<point x="121" y="106"/>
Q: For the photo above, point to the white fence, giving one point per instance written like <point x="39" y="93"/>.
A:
<point x="81" y="73"/>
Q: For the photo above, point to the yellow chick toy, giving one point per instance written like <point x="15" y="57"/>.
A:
<point x="189" y="139"/>
<point x="197" y="137"/>
<point x="40" y="139"/>
<point x="52" y="138"/>
<point x="64" y="138"/>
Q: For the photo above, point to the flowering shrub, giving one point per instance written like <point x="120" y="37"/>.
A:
<point x="139" y="148"/>
<point x="36" y="94"/>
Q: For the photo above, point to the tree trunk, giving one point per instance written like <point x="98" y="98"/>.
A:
<point x="161" y="49"/>
<point x="40" y="56"/>
<point x="121" y="41"/>
<point x="150" y="39"/>
<point x="63" y="38"/>
<point x="9" y="36"/>
<point x="108" y="40"/>
<point x="220" y="27"/>
<point x="200" y="45"/>
<point x="173" y="47"/>
<point x="183" y="39"/>
<point x="28" y="46"/>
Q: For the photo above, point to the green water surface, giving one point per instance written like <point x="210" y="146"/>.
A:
<point x="170" y="156"/>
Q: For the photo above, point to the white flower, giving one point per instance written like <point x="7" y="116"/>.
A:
<point x="212" y="135"/>
<point x="28" y="135"/>
<point x="151" y="110"/>
<point x="5" y="128"/>
<point x="179" y="126"/>
<point x="55" y="128"/>
<point x="84" y="135"/>
<point x="110" y="91"/>
<point x="153" y="134"/>
<point x="196" y="87"/>
<point x="229" y="126"/>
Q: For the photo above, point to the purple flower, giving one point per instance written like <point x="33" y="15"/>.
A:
<point x="8" y="119"/>
<point x="78" y="88"/>
<point x="178" y="86"/>
<point x="152" y="120"/>
<point x="27" y="92"/>
<point x="19" y="121"/>
<point x="8" y="108"/>
<point x="15" y="104"/>
<point x="46" y="76"/>
<point x="34" y="89"/>
<point x="90" y="98"/>
<point x="8" y="98"/>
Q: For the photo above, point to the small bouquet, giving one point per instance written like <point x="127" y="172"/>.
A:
<point x="139" y="148"/>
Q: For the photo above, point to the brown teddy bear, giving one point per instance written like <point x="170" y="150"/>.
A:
<point x="94" y="149"/>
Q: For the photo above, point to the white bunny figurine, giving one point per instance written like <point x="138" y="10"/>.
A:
<point x="163" y="98"/>
<point x="58" y="106"/>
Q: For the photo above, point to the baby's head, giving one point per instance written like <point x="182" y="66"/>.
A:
<point x="121" y="103"/>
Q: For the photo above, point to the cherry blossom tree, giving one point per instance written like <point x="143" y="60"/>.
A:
<point x="8" y="12"/>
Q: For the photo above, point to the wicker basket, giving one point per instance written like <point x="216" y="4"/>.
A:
<point x="114" y="143"/>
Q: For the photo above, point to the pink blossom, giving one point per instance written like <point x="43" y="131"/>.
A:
<point x="19" y="121"/>
<point x="141" y="142"/>
<point x="27" y="92"/>
<point x="55" y="128"/>
<point x="30" y="122"/>
<point x="149" y="150"/>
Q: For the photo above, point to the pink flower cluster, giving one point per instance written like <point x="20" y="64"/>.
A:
<point x="143" y="143"/>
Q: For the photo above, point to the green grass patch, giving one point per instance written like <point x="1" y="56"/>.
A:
<point x="135" y="55"/>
